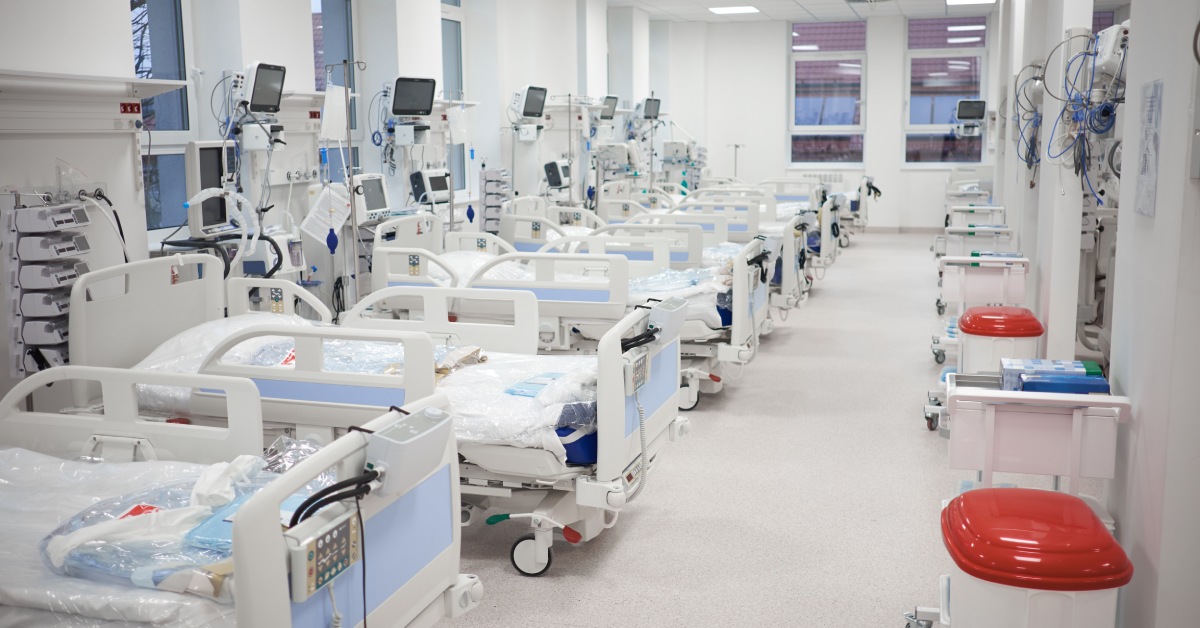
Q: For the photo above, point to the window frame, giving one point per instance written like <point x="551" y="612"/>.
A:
<point x="859" y="56"/>
<point x="173" y="142"/>
<point x="977" y="52"/>
<point x="456" y="13"/>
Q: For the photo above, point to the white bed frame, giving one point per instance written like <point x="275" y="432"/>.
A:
<point x="418" y="240"/>
<point x="533" y="481"/>
<point x="960" y="241"/>
<point x="971" y="281"/>
<point x="418" y="585"/>
<point x="685" y="242"/>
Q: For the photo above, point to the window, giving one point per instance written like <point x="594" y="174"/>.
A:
<point x="828" y="60"/>
<point x="160" y="51"/>
<point x="452" y="88"/>
<point x="333" y="33"/>
<point x="1102" y="20"/>
<point x="945" y="65"/>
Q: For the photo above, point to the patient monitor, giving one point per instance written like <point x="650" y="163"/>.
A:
<point x="430" y="186"/>
<point x="529" y="102"/>
<point x="370" y="198"/>
<point x="970" y="115"/>
<point x="264" y="89"/>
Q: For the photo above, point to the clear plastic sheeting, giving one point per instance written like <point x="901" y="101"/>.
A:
<point x="186" y="351"/>
<point x="287" y="452"/>
<point x="170" y="537"/>
<point x="721" y="256"/>
<point x="38" y="493"/>
<point x="520" y="400"/>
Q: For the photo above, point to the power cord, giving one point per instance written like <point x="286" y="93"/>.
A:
<point x="362" y="543"/>
<point x="1196" y="43"/>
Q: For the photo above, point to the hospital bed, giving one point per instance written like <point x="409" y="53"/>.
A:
<point x="410" y="523"/>
<point x="636" y="399"/>
<point x="457" y="253"/>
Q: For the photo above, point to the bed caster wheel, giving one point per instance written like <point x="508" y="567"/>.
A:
<point x="524" y="557"/>
<point x="939" y="356"/>
<point x="941" y="308"/>
<point x="844" y="241"/>
<point x="691" y="407"/>
<point x="931" y="422"/>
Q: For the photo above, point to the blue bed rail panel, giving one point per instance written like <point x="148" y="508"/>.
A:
<point x="662" y="387"/>
<point x="400" y="541"/>
<point x="290" y="390"/>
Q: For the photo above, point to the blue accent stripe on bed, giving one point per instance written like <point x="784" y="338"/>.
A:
<point x="421" y="284"/>
<point x="790" y="198"/>
<point x="407" y="535"/>
<point x="528" y="247"/>
<point x="559" y="294"/>
<point x="290" y="390"/>
<point x="661" y="389"/>
<point x="739" y="227"/>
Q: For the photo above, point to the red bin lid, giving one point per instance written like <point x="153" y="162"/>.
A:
<point x="996" y="322"/>
<point x="1034" y="539"/>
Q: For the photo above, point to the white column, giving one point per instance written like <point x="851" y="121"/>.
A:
<point x="883" y="144"/>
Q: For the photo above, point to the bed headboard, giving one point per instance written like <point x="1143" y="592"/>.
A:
<point x="496" y="320"/>
<point x="114" y="430"/>
<point x="287" y="292"/>
<point x="685" y="241"/>
<point x="647" y="255"/>
<point x="600" y="289"/>
<point x="120" y="314"/>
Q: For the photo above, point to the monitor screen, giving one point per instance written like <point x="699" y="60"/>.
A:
<point x="535" y="102"/>
<point x="268" y="88"/>
<point x="972" y="109"/>
<point x="211" y="176"/>
<point x="610" y="108"/>
<point x="373" y="195"/>
<point x="438" y="184"/>
<point x="566" y="171"/>
<point x="650" y="111"/>
<point x="413" y="97"/>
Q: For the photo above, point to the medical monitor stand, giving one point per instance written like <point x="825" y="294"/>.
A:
<point x="351" y="269"/>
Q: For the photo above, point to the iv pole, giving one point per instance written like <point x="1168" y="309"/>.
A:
<point x="735" y="152"/>
<point x="348" y="170"/>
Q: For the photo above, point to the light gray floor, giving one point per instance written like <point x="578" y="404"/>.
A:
<point x="807" y="494"/>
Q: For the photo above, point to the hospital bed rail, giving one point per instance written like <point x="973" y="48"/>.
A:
<point x="415" y="524"/>
<point x="500" y="320"/>
<point x="973" y="281"/>
<point x="685" y="241"/>
<point x="115" y="430"/>
<point x="647" y="255"/>
<point x="316" y="400"/>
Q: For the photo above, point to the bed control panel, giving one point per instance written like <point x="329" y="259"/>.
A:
<point x="323" y="553"/>
<point x="637" y="369"/>
<point x="409" y="449"/>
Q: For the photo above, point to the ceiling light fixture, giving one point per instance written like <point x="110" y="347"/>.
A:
<point x="966" y="27"/>
<point x="952" y="3"/>
<point x="963" y="40"/>
<point x="939" y="74"/>
<point x="806" y="48"/>
<point x="850" y="65"/>
<point x="735" y="10"/>
<point x="795" y="34"/>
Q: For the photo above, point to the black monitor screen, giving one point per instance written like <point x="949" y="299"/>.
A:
<point x="438" y="184"/>
<point x="566" y="171"/>
<point x="610" y="108"/>
<point x="211" y="175"/>
<point x="650" y="112"/>
<point x="535" y="102"/>
<point x="373" y="194"/>
<point x="413" y="97"/>
<point x="972" y="109"/>
<point x="268" y="88"/>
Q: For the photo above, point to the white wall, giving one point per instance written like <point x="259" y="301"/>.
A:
<point x="687" y="78"/>
<point x="277" y="32"/>
<point x="659" y="72"/>
<point x="67" y="36"/>
<point x="746" y="96"/>
<point x="629" y="54"/>
<point x="1155" y="337"/>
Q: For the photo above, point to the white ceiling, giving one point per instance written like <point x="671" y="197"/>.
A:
<point x="798" y="10"/>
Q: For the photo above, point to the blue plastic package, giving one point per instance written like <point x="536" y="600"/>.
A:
<point x="1070" y="384"/>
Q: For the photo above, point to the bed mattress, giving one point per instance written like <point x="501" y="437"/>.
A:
<point x="41" y="492"/>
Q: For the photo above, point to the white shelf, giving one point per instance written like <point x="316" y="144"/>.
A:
<point x="53" y="84"/>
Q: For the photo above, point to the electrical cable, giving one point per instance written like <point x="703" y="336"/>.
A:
<point x="362" y="543"/>
<point x="335" y="620"/>
<point x="329" y="500"/>
<point x="369" y="476"/>
<point x="644" y="463"/>
<point x="1051" y="56"/>
<point x="113" y="220"/>
<point x="1196" y="43"/>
